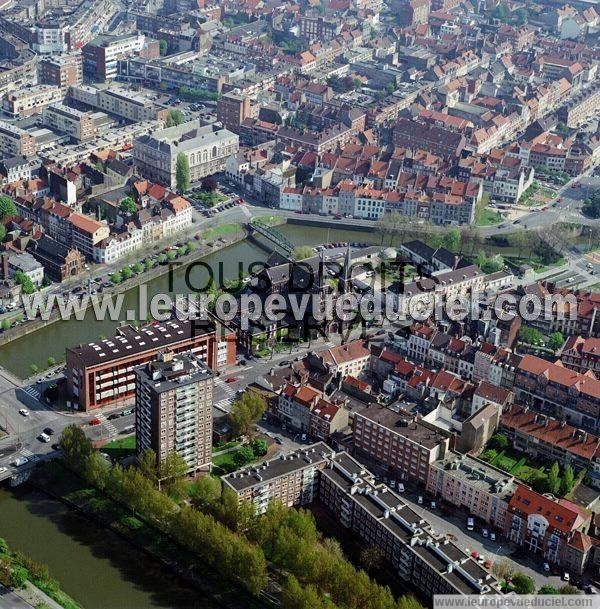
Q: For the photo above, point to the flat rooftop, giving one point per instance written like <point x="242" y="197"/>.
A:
<point x="298" y="460"/>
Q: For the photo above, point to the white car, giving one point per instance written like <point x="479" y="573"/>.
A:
<point x="566" y="577"/>
<point x="400" y="487"/>
<point x="19" y="461"/>
<point x="44" y="438"/>
<point x="546" y="567"/>
<point x="24" y="412"/>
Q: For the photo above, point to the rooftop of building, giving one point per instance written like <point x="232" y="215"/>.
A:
<point x="283" y="465"/>
<point x="170" y="371"/>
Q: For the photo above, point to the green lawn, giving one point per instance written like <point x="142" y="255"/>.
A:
<point x="224" y="446"/>
<point x="209" y="198"/>
<point x="489" y="217"/>
<point x="221" y="231"/>
<point x="117" y="449"/>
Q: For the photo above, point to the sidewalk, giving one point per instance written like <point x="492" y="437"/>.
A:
<point x="29" y="597"/>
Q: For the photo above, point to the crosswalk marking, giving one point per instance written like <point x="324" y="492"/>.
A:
<point x="32" y="391"/>
<point x="26" y="452"/>
<point x="109" y="426"/>
<point x="223" y="404"/>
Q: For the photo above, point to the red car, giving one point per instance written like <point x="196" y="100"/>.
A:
<point x="95" y="422"/>
<point x="231" y="379"/>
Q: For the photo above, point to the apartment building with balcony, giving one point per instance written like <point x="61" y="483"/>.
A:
<point x="403" y="445"/>
<point x="30" y="100"/>
<point x="555" y="390"/>
<point x="174" y="402"/>
<point x="554" y="529"/>
<point x="581" y="354"/>
<point x="470" y="483"/>
<point x="378" y="517"/>
<point x="290" y="478"/>
<point x="103" y="372"/>
<point x="79" y="125"/>
<point x="61" y="71"/>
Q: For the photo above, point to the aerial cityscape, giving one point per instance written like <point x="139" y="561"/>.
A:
<point x="299" y="305"/>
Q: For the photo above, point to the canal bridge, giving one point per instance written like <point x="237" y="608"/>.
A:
<point x="273" y="235"/>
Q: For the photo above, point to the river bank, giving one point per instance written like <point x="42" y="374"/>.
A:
<point x="64" y="486"/>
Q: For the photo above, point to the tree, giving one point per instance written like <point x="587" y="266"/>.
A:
<point x="554" y="479"/>
<point x="175" y="117"/>
<point x="163" y="47"/>
<point x="2" y="232"/>
<point x="51" y="361"/>
<point x="591" y="206"/>
<point x="76" y="447"/>
<point x="182" y="173"/>
<point x="24" y="281"/>
<point x="568" y="481"/>
<point x="128" y="205"/>
<point x="489" y="265"/>
<point x="242" y="456"/>
<point x="209" y="184"/>
<point x="148" y="264"/>
<point x="172" y="467"/>
<point x="452" y="239"/>
<point x="5" y="324"/>
<point x="127" y="273"/>
<point x="246" y="411"/>
<point x="489" y="455"/>
<point x="522" y="584"/>
<point x="503" y="569"/>
<point x="171" y="255"/>
<point x="146" y="462"/>
<point x="530" y="335"/>
<point x="568" y="589"/>
<point x="259" y="447"/>
<point x="547" y="589"/>
<point x="34" y="368"/>
<point x="556" y="340"/>
<point x="7" y="207"/>
<point x="138" y="268"/>
<point x="205" y="493"/>
<point x="301" y="252"/>
<point x="116" y="278"/>
<point x="370" y="558"/>
<point x="162" y="258"/>
<point x="499" y="441"/>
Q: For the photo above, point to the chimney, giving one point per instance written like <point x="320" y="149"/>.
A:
<point x="5" y="274"/>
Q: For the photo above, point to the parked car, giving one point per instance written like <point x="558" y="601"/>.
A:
<point x="420" y="500"/>
<point x="24" y="412"/>
<point x="231" y="379"/>
<point x="44" y="438"/>
<point x="400" y="487"/>
<point x="492" y="536"/>
<point x="485" y="533"/>
<point x="566" y="577"/>
<point x="113" y="416"/>
<point x="126" y="412"/>
<point x="95" y="421"/>
<point x="470" y="524"/>
<point x="49" y="431"/>
<point x="546" y="567"/>
<point x="19" y="461"/>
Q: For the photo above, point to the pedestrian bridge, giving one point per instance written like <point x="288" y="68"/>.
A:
<point x="272" y="234"/>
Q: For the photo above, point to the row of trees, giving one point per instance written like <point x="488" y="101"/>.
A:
<point x="233" y="556"/>
<point x="532" y="336"/>
<point x="518" y="582"/>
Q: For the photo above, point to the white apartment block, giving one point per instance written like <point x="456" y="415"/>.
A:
<point x="30" y="100"/>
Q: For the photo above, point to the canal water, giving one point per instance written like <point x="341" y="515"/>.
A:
<point x="51" y="341"/>
<point x="94" y="566"/>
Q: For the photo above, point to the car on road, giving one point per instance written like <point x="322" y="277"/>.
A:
<point x="546" y="567"/>
<point x="400" y="487"/>
<point x="231" y="379"/>
<point x="126" y="412"/>
<point x="420" y="500"/>
<point x="95" y="421"/>
<point x="48" y="431"/>
<point x="44" y="438"/>
<point x="128" y="429"/>
<point x="492" y="536"/>
<point x="24" y="412"/>
<point x="19" y="461"/>
<point x="485" y="533"/>
<point x="278" y="440"/>
<point x="470" y="524"/>
<point x="284" y="363"/>
<point x="113" y="416"/>
<point x="566" y="577"/>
